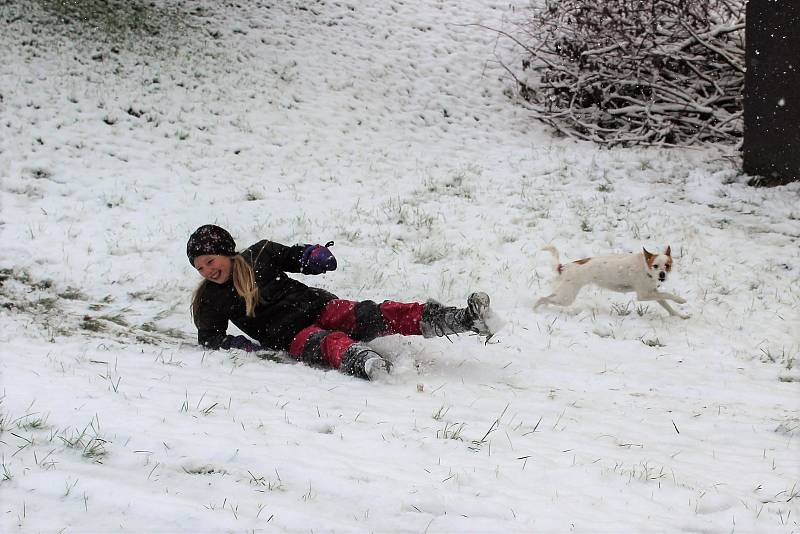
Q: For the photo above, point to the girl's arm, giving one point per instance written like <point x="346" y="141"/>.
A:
<point x="305" y="259"/>
<point x="271" y="254"/>
<point x="212" y="330"/>
<point x="212" y="333"/>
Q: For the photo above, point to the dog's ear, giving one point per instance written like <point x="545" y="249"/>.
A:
<point x="647" y="255"/>
<point x="668" y="252"/>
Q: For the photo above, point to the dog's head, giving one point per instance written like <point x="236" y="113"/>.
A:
<point x="658" y="265"/>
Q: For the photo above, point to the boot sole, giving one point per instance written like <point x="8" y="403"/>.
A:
<point x="478" y="304"/>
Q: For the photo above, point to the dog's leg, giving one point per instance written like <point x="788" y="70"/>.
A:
<point x="671" y="310"/>
<point x="563" y="295"/>
<point x="669" y="296"/>
<point x="662" y="297"/>
<point x="549" y="299"/>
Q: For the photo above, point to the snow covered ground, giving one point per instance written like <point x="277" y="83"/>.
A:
<point x="386" y="127"/>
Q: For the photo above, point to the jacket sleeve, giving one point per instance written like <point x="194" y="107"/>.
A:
<point x="212" y="327"/>
<point x="281" y="257"/>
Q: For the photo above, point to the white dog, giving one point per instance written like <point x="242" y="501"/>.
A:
<point x="640" y="273"/>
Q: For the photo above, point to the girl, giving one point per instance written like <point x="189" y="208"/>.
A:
<point x="252" y="290"/>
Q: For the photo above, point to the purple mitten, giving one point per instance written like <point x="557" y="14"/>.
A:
<point x="242" y="343"/>
<point x="317" y="259"/>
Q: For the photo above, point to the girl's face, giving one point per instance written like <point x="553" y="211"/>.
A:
<point x="214" y="268"/>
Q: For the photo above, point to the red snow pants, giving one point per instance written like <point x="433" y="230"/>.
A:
<point x="343" y="322"/>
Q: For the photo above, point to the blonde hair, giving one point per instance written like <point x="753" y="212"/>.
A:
<point x="244" y="282"/>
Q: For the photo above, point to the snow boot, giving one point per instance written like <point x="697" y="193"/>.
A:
<point x="376" y="368"/>
<point x="438" y="320"/>
<point x="360" y="360"/>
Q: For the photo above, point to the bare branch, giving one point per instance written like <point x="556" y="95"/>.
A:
<point x="656" y="72"/>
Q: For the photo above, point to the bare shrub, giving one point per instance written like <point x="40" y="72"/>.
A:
<point x="624" y="72"/>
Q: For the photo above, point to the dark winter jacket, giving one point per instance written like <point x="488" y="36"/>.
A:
<point x="288" y="305"/>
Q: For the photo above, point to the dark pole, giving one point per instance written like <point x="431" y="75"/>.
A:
<point x="772" y="92"/>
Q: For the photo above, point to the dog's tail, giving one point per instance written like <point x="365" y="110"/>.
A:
<point x="556" y="258"/>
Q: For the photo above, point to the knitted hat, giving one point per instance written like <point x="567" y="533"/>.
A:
<point x="210" y="239"/>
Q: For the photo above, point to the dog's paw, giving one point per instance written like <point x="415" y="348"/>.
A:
<point x="684" y="316"/>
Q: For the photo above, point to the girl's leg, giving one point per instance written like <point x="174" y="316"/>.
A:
<point x="335" y="349"/>
<point x="438" y="320"/>
<point x="332" y="341"/>
<point x="318" y="346"/>
<point x="367" y="320"/>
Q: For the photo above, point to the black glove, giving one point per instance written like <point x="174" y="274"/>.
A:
<point x="317" y="259"/>
<point x="242" y="343"/>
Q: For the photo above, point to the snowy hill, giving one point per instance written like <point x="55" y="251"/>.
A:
<point x="386" y="127"/>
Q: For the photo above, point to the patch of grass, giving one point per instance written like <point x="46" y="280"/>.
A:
<point x="253" y="195"/>
<point x="5" y="421"/>
<point x="605" y="187"/>
<point x="119" y="24"/>
<point x="653" y="342"/>
<point x="620" y="309"/>
<point x="205" y="469"/>
<point x="117" y="319"/>
<point x="6" y="473"/>
<point x="781" y="357"/>
<point x="151" y="327"/>
<point x="91" y="447"/>
<point x="172" y="332"/>
<point x="451" y="431"/>
<point x="92" y="324"/>
<point x="430" y="252"/>
<point x="48" y="303"/>
<point x="259" y="480"/>
<point x="32" y="422"/>
<point x="20" y="276"/>
<point x="477" y="444"/>
<point x="405" y="214"/>
<point x="72" y="293"/>
<point x="642" y="472"/>
<point x="457" y="184"/>
<point x="790" y="427"/>
<point x="142" y="295"/>
<point x="5" y="274"/>
<point x="439" y="414"/>
<point x="722" y="223"/>
<point x="208" y="410"/>
<point x="21" y="293"/>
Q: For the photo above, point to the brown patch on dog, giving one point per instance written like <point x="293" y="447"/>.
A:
<point x="560" y="268"/>
<point x="668" y="264"/>
<point x="584" y="260"/>
<point x="648" y="257"/>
